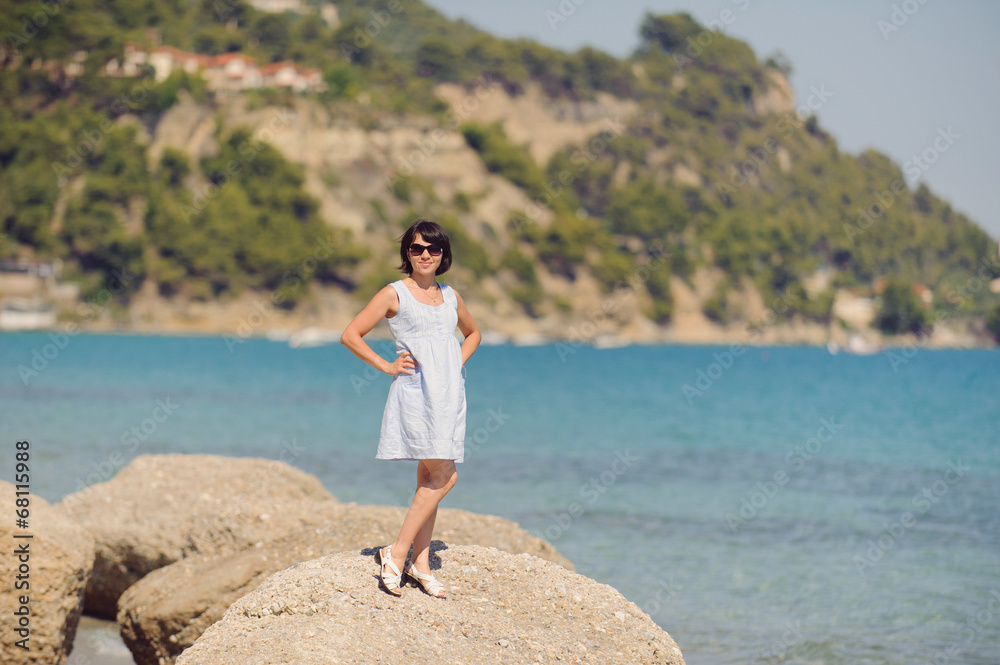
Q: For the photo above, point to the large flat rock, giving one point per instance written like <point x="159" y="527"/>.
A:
<point x="162" y="508"/>
<point x="501" y="608"/>
<point x="166" y="611"/>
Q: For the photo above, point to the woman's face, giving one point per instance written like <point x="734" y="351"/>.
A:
<point x="425" y="264"/>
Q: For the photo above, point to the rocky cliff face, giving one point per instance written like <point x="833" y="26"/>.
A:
<point x="352" y="161"/>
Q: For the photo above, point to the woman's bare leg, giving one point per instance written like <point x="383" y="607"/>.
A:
<point x="435" y="477"/>
<point x="422" y="545"/>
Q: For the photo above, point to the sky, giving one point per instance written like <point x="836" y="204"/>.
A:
<point x="909" y="78"/>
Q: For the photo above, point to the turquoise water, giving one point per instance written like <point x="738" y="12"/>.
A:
<point x="803" y="508"/>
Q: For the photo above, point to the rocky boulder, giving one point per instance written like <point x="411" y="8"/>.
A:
<point x="162" y="508"/>
<point x="501" y="608"/>
<point x="53" y="564"/>
<point x="166" y="611"/>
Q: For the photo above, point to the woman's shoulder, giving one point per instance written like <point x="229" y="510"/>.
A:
<point x="448" y="288"/>
<point x="390" y="293"/>
<point x="389" y="297"/>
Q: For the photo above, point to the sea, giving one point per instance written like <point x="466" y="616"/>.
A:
<point x="761" y="504"/>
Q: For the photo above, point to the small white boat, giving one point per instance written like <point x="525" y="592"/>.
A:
<point x="24" y="314"/>
<point x="312" y="336"/>
<point x="493" y="338"/>
<point x="856" y="345"/>
<point x="278" y="335"/>
<point x="609" y="342"/>
<point x="530" y="339"/>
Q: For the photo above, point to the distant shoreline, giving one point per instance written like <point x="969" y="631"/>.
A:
<point x="493" y="338"/>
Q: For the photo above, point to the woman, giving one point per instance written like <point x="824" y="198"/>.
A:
<point x="424" y="417"/>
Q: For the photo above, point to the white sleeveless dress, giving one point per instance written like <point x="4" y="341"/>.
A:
<point x="424" y="415"/>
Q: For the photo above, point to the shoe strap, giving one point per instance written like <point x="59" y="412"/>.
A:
<point x="396" y="578"/>
<point x="387" y="560"/>
<point x="427" y="581"/>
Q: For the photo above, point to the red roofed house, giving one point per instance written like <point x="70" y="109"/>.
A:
<point x="289" y="75"/>
<point x="233" y="72"/>
<point x="165" y="59"/>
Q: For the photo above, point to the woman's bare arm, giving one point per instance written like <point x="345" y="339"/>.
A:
<point x="469" y="328"/>
<point x="384" y="302"/>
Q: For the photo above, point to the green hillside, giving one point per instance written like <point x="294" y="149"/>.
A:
<point x="773" y="200"/>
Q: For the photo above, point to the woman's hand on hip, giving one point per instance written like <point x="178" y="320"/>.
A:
<point x="404" y="364"/>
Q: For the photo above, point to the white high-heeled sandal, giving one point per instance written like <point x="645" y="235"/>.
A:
<point x="393" y="583"/>
<point x="429" y="583"/>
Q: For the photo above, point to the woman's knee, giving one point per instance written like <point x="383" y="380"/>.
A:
<point x="439" y="481"/>
<point x="453" y="478"/>
<point x="441" y="473"/>
<point x="431" y="493"/>
<point x="449" y="476"/>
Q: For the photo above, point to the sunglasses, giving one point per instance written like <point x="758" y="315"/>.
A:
<point x="418" y="249"/>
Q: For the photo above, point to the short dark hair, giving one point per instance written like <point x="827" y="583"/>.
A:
<point x="432" y="234"/>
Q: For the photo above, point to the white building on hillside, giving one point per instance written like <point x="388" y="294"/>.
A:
<point x="230" y="72"/>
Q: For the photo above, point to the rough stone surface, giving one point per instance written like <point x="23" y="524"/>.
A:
<point x="166" y="611"/>
<point x="501" y="608"/>
<point x="59" y="559"/>
<point x="161" y="508"/>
